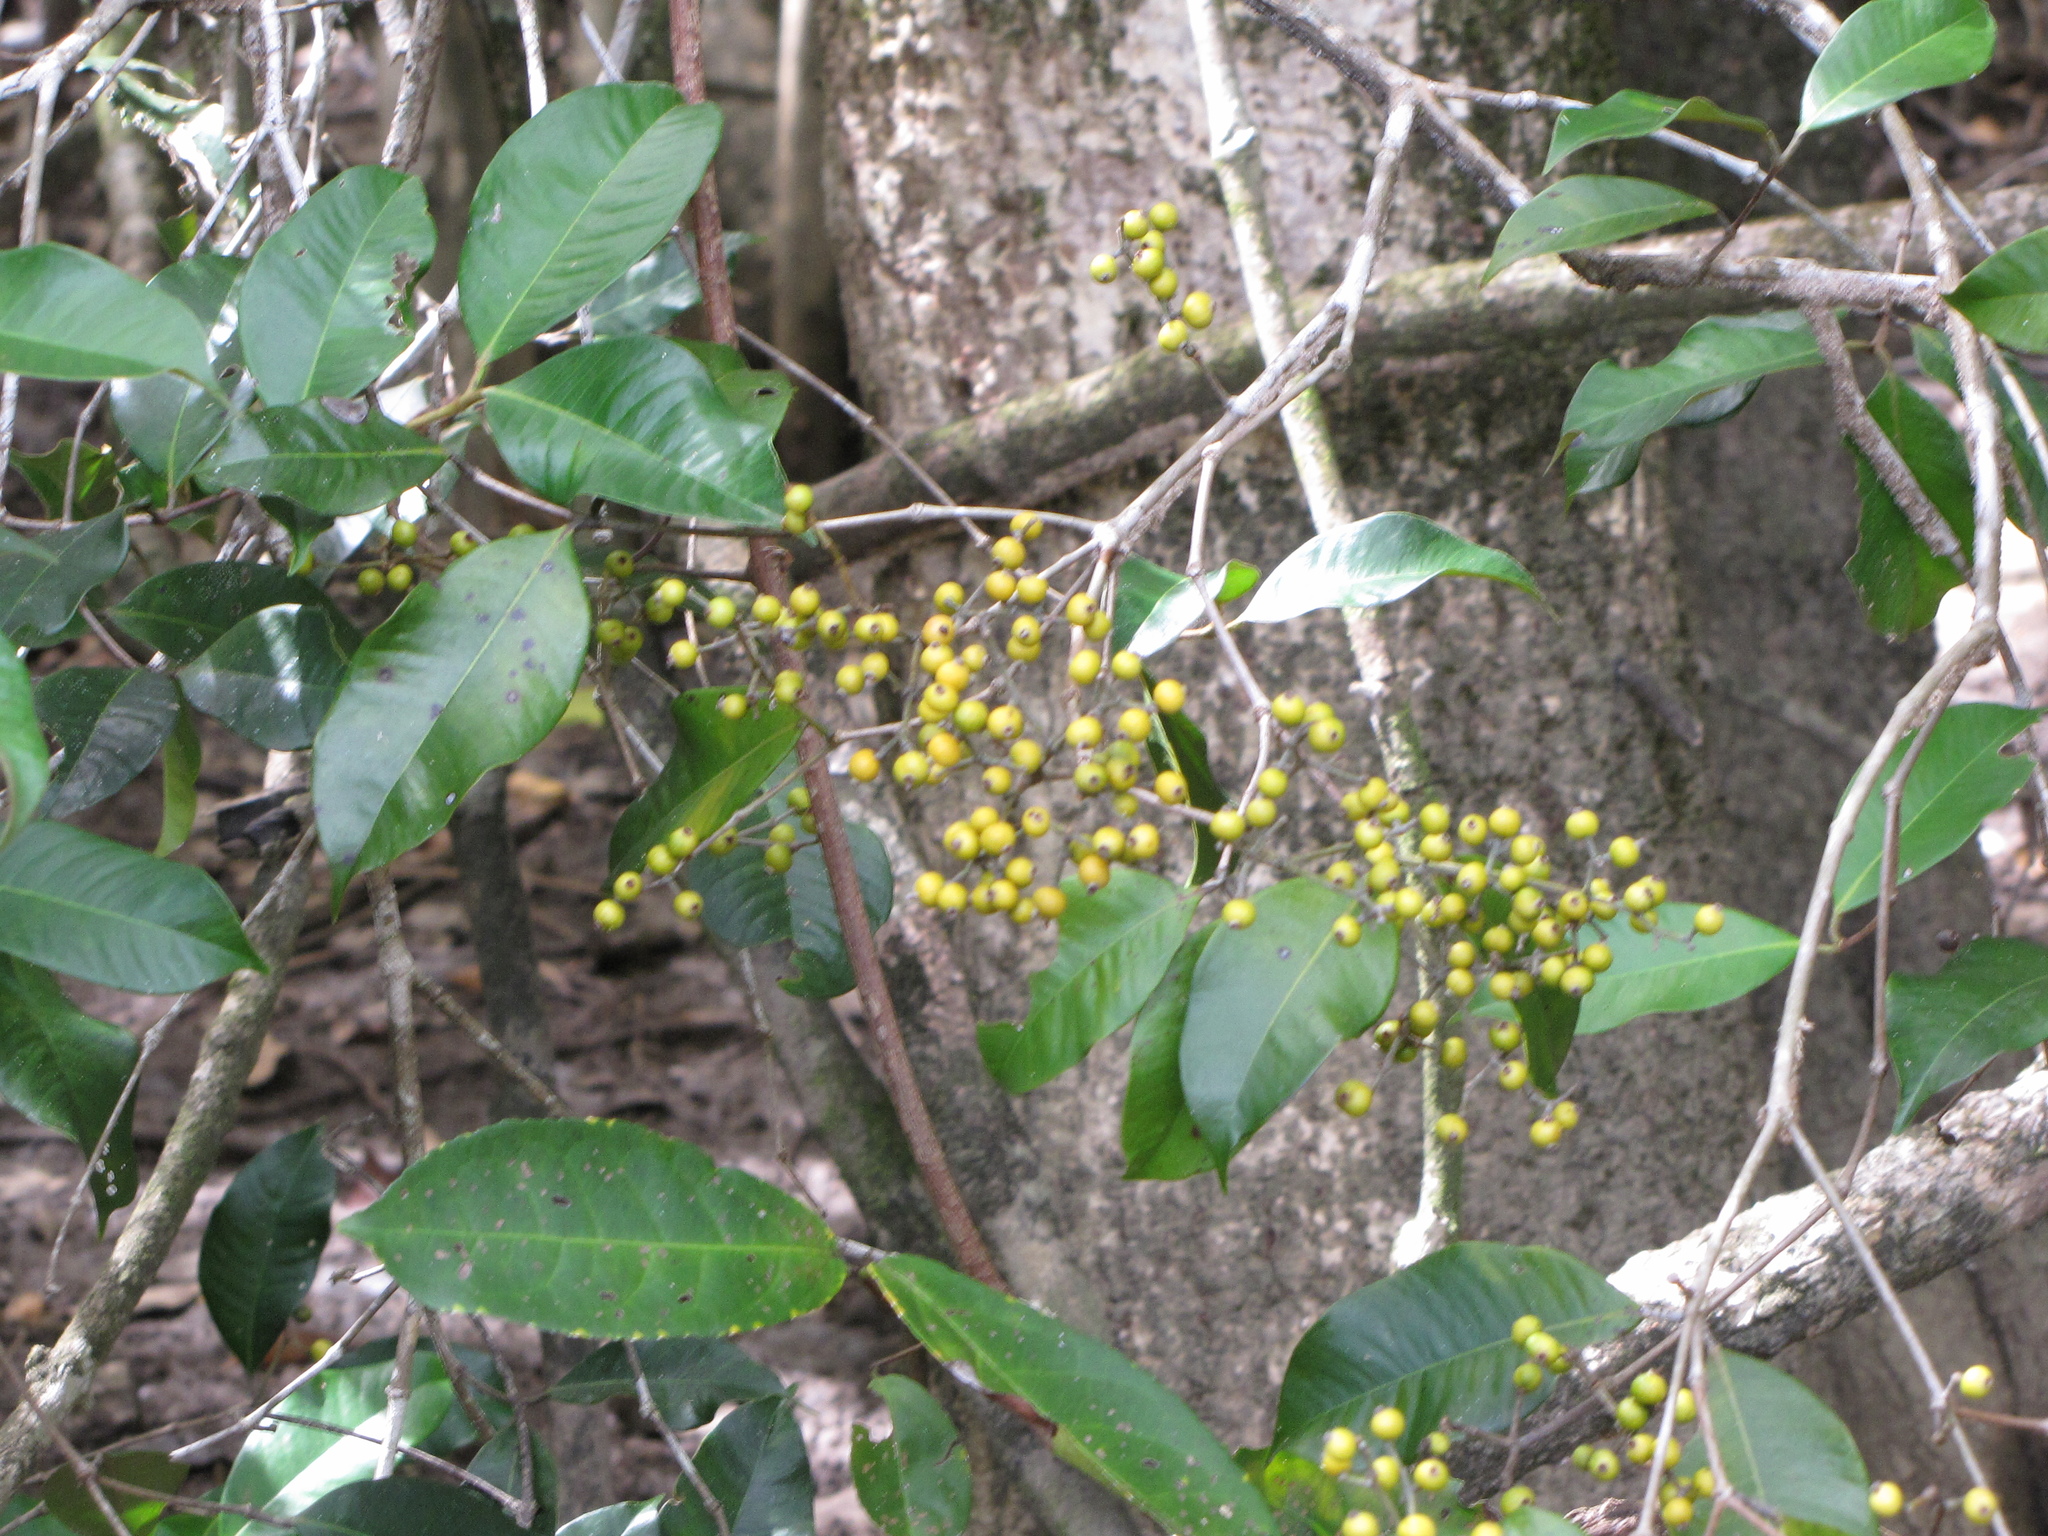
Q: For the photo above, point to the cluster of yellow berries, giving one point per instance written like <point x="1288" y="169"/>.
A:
<point x="1979" y="1505"/>
<point x="1632" y="1415"/>
<point x="778" y="841"/>
<point x="1390" y="1476"/>
<point x="1141" y="244"/>
<point x="395" y="571"/>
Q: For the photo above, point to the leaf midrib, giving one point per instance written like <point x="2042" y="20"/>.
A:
<point x="657" y="461"/>
<point x="1267" y="1030"/>
<point x="1822" y="109"/>
<point x="476" y="1235"/>
<point x="489" y="350"/>
<point x="2003" y="1000"/>
<point x="326" y="328"/>
<point x="1936" y="793"/>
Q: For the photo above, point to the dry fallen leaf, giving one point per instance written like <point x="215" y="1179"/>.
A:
<point x="25" y="1310"/>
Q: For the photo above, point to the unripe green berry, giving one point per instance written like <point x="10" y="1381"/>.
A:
<point x="1198" y="309"/>
<point x="1354" y="1097"/>
<point x="369" y="581"/>
<point x="1103" y="268"/>
<point x="1173" y="336"/>
<point x="618" y="565"/>
<point x="405" y="534"/>
<point x="1165" y="285"/>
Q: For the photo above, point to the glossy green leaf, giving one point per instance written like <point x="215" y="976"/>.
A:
<point x="1433" y="1340"/>
<point x="1674" y="970"/>
<point x="187" y="608"/>
<point x="1899" y="578"/>
<point x="1159" y="1136"/>
<point x="603" y="1229"/>
<point x="1583" y="211"/>
<point x="1550" y="1022"/>
<point x="1931" y="351"/>
<point x="1271" y="1001"/>
<point x="1634" y="115"/>
<point x="263" y="1242"/>
<point x="1115" y="1421"/>
<point x="646" y="1517"/>
<point x="110" y="723"/>
<point x="1182" y="606"/>
<point x="463" y="677"/>
<point x="2006" y="296"/>
<point x="1178" y="743"/>
<point x="323" y="302"/>
<point x="755" y="1466"/>
<point x="823" y="969"/>
<point x="170" y="422"/>
<point x="406" y="1506"/>
<point x="578" y="194"/>
<point x="105" y="912"/>
<point x="1783" y="1448"/>
<point x="654" y="290"/>
<point x="689" y="1379"/>
<point x="310" y="456"/>
<point x="95" y="485"/>
<point x="17" y="1509"/>
<point x="44" y="577"/>
<point x="1615" y="405"/>
<point x="66" y="1070"/>
<point x="641" y="422"/>
<point x="503" y="1464"/>
<point x="182" y="755"/>
<point x="1588" y="471"/>
<point x="24" y="760"/>
<point x="286" y="1469"/>
<point x="273" y="678"/>
<point x="1115" y="945"/>
<point x="1374" y="562"/>
<point x="716" y="766"/>
<point x="1888" y="49"/>
<point x="916" y="1482"/>
<point x="1992" y="997"/>
<point x="72" y="1502"/>
<point x="68" y="315"/>
<point x="1962" y="777"/>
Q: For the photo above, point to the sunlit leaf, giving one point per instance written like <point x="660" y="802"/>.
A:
<point x="1888" y="49"/>
<point x="1583" y="211"/>
<point x="716" y="766"/>
<point x="1374" y="562"/>
<point x="2006" y="296"/>
<point x="273" y="678"/>
<point x="1634" y="115"/>
<point x="1615" y="405"/>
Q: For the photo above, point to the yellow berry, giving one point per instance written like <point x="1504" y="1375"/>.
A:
<point x="1103" y="268"/>
<point x="1624" y="852"/>
<point x="1518" y="1497"/>
<point x="1198" y="309"/>
<point x="1173" y="336"/>
<point x="1887" y="1500"/>
<point x="1239" y="913"/>
<point x="1169" y="696"/>
<point x="1326" y="735"/>
<point x="1452" y="1129"/>
<point x="1709" y="920"/>
<point x="1677" y="1512"/>
<point x="1545" y="1132"/>
<point x="1227" y="825"/>
<point x="1649" y="1389"/>
<point x="1290" y="709"/>
<point x="1980" y="1506"/>
<point x="1513" y="1074"/>
<point x="1604" y="1465"/>
<point x="688" y="905"/>
<point x="1148" y="263"/>
<point x="1084" y="666"/>
<point x="1431" y="1474"/>
<point x="1388" y="1423"/>
<point x="1083" y="731"/>
<point x="1360" y="1522"/>
<point x="1027" y="754"/>
<point x="1415" y="1525"/>
<point x="608" y="915"/>
<point x="1354" y="1097"/>
<point x="1565" y="1113"/>
<point x="1976" y="1381"/>
<point x="1386" y="1471"/>
<point x="1260" y="812"/>
<point x="1686" y="1410"/>
<point x="1346" y="930"/>
<point x="660" y="861"/>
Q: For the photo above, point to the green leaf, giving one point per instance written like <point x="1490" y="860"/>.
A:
<point x="1374" y="562"/>
<point x="1635" y="115"/>
<point x="1182" y="606"/>
<point x="462" y="678"/>
<point x="273" y="678"/>
<point x="1115" y="945"/>
<point x="24" y="760"/>
<point x="1550" y="1022"/>
<point x="182" y="753"/>
<point x="2006" y="296"/>
<point x="169" y="421"/>
<point x="755" y="1466"/>
<point x="105" y="912"/>
<point x="323" y="303"/>
<point x="1178" y="743"/>
<point x="1270" y="1002"/>
<point x="1615" y="405"/>
<point x="1588" y="471"/>
<point x="71" y="1502"/>
<point x="67" y="315"/>
<point x="603" y="1229"/>
<point x="1783" y="1448"/>
<point x="1899" y="578"/>
<point x="110" y="721"/>
<point x="288" y="1468"/>
<point x="311" y="456"/>
<point x="689" y="1379"/>
<point x="17" y="1509"/>
<point x="638" y="421"/>
<point x="1159" y="1135"/>
<point x="1961" y="778"/>
<point x="44" y="579"/>
<point x="1115" y="1421"/>
<point x="1991" y="998"/>
<point x="1433" y="1340"/>
<point x="1582" y="211"/>
<point x="1888" y="49"/>
<point x="716" y="766"/>
<point x="95" y="489"/>
<point x="647" y="295"/>
<point x="187" y="608"/>
<point x="823" y="969"/>
<point x="916" y="1482"/>
<point x="648" y="1517"/>
<point x="406" y="1506"/>
<point x="1674" y="970"/>
<point x="263" y="1241"/>
<point x="65" y="1069"/>
<point x="579" y="193"/>
<point x="502" y="1464"/>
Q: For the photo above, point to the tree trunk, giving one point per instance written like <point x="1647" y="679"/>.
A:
<point x="978" y="156"/>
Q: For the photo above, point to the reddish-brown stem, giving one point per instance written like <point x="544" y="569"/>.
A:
<point x="686" y="43"/>
<point x="770" y="574"/>
<point x="769" y="567"/>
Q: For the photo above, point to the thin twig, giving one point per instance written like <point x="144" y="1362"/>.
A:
<point x="395" y="964"/>
<point x="675" y="1446"/>
<point x="488" y="1043"/>
<point x="398" y="1391"/>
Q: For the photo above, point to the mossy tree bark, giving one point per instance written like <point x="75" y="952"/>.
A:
<point x="977" y="156"/>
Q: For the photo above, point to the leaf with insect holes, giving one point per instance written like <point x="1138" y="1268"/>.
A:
<point x="602" y="1229"/>
<point x="1434" y="1341"/>
<point x="916" y="1482"/>
<point x="1584" y="211"/>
